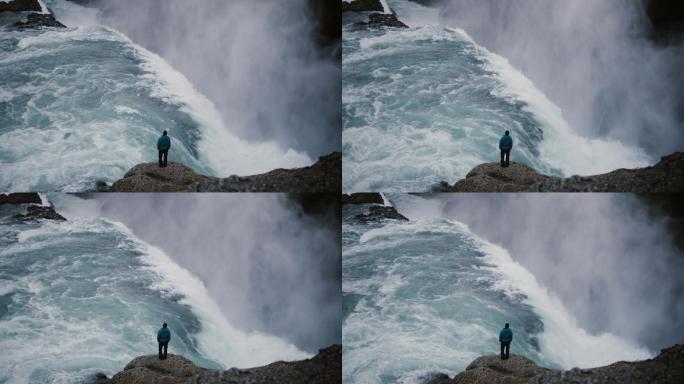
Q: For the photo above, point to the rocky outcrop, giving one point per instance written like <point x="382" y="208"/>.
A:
<point x="667" y="367"/>
<point x="20" y="6"/>
<point x="324" y="176"/>
<point x="362" y="198"/>
<point x="381" y="20"/>
<point x="362" y="6"/>
<point x="379" y="213"/>
<point x="667" y="19"/>
<point x="20" y="198"/>
<point x="39" y="20"/>
<point x="325" y="367"/>
<point x="665" y="177"/>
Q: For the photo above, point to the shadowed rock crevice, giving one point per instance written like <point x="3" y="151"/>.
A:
<point x="324" y="176"/>
<point x="665" y="177"/>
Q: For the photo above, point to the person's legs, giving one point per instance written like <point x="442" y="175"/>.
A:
<point x="166" y="156"/>
<point x="160" y="158"/>
<point x="502" y="350"/>
<point x="508" y="157"/>
<point x="160" y="351"/>
<point x="508" y="348"/>
<point x="166" y="348"/>
<point x="502" y="157"/>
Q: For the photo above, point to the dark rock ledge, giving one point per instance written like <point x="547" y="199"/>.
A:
<point x="376" y="211"/>
<point x="34" y="209"/>
<point x="376" y="20"/>
<point x="666" y="368"/>
<point x="33" y="20"/>
<point x="324" y="176"/>
<point x="324" y="368"/>
<point x="665" y="177"/>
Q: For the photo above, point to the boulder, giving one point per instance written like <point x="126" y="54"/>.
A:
<point x="324" y="176"/>
<point x="36" y="212"/>
<point x="362" y="6"/>
<point x="362" y="198"/>
<point x="20" y="6"/>
<point x="39" y="20"/>
<point x="20" y="198"/>
<point x="381" y="20"/>
<point x="150" y="370"/>
<point x="665" y="177"/>
<point x="492" y="370"/>
<point x="379" y="213"/>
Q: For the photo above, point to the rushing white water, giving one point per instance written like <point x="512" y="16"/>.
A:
<point x="427" y="103"/>
<point x="86" y="104"/>
<point x="87" y="296"/>
<point x="431" y="294"/>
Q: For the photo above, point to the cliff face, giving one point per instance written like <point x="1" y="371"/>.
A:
<point x="325" y="367"/>
<point x="666" y="368"/>
<point x="665" y="177"/>
<point x="324" y="176"/>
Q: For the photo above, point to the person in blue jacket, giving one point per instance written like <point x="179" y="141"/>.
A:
<point x="505" y="338"/>
<point x="505" y="145"/>
<point x="163" y="338"/>
<point x="163" y="145"/>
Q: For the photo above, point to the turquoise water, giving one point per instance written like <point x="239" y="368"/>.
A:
<point x="87" y="296"/>
<point x="427" y="104"/>
<point x="429" y="296"/>
<point x="86" y="104"/>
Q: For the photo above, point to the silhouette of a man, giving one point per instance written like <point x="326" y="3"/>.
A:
<point x="505" y="338"/>
<point x="505" y="145"/>
<point x="163" y="145"/>
<point x="163" y="338"/>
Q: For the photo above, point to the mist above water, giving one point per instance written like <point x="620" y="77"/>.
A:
<point x="592" y="58"/>
<point x="268" y="266"/>
<point x="612" y="263"/>
<point x="256" y="60"/>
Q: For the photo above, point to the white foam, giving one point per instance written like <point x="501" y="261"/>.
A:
<point x="563" y="340"/>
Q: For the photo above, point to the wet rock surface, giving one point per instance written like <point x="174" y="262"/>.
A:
<point x="324" y="176"/>
<point x="362" y="198"/>
<point x="36" y="212"/>
<point x="381" y="20"/>
<point x="20" y="6"/>
<point x="325" y="367"/>
<point x="665" y="177"/>
<point x="491" y="369"/>
<point x="362" y="6"/>
<point x="20" y="198"/>
<point x="378" y="213"/>
<point x="38" y="20"/>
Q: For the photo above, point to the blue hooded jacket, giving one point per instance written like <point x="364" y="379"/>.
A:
<point x="506" y="335"/>
<point x="164" y="335"/>
<point x="164" y="143"/>
<point x="506" y="143"/>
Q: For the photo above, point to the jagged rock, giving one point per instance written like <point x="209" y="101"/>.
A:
<point x="362" y="6"/>
<point x="324" y="176"/>
<point x="325" y="367"/>
<point x="362" y="198"/>
<point x="381" y="20"/>
<point x="20" y="198"/>
<point x="666" y="368"/>
<point x="150" y="370"/>
<point x="492" y="370"/>
<point x="377" y="213"/>
<point x="149" y="177"/>
<point x="35" y="212"/>
<point x="665" y="177"/>
<point x="20" y="6"/>
<point x="38" y="20"/>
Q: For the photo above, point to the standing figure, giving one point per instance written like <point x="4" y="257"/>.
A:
<point x="163" y="338"/>
<point x="163" y="145"/>
<point x="505" y="338"/>
<point x="505" y="145"/>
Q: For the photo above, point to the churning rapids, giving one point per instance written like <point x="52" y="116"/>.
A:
<point x="87" y="103"/>
<point x="87" y="295"/>
<point x="430" y="295"/>
<point x="427" y="103"/>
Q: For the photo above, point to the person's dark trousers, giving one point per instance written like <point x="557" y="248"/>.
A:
<point x="505" y="349"/>
<point x="163" y="157"/>
<point x="165" y="346"/>
<point x="505" y="155"/>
